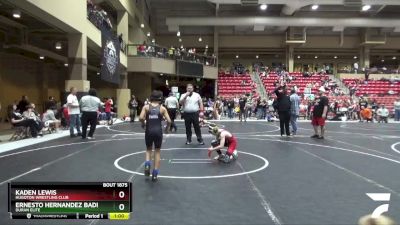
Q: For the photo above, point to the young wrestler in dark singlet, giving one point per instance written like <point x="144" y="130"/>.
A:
<point x="151" y="118"/>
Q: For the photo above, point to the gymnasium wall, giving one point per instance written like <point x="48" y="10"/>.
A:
<point x="24" y="76"/>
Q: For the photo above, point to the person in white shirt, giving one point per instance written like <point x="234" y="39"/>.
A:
<point x="90" y="104"/>
<point x="193" y="109"/>
<point x="355" y="67"/>
<point x="383" y="114"/>
<point x="74" y="112"/>
<point x="172" y="105"/>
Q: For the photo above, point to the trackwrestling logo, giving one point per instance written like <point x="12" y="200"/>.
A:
<point x="379" y="197"/>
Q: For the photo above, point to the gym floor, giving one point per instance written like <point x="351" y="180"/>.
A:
<point x="276" y="180"/>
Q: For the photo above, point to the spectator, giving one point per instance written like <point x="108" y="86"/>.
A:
<point x="217" y="108"/>
<point x="142" y="49"/>
<point x="133" y="105"/>
<point x="73" y="112"/>
<point x="294" y="110"/>
<point x="242" y="108"/>
<point x="18" y="120"/>
<point x="366" y="74"/>
<point x="172" y="105"/>
<point x="107" y="109"/>
<point x="49" y="119"/>
<point x="192" y="106"/>
<point x="90" y="104"/>
<point x="396" y="106"/>
<point x="366" y="114"/>
<point x="230" y="106"/>
<point x="283" y="108"/>
<point x="383" y="114"/>
<point x="355" y="65"/>
<point x="23" y="104"/>
<point x="320" y="112"/>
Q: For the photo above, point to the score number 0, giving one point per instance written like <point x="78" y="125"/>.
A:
<point x="121" y="194"/>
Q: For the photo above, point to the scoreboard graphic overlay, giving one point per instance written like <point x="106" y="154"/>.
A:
<point x="90" y="200"/>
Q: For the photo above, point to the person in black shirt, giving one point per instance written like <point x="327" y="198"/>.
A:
<point x="320" y="113"/>
<point x="151" y="118"/>
<point x="230" y="104"/>
<point x="21" y="107"/>
<point x="283" y="108"/>
<point x="242" y="106"/>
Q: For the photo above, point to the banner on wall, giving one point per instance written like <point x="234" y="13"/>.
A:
<point x="110" y="57"/>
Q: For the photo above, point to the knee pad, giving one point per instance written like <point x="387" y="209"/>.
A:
<point x="214" y="143"/>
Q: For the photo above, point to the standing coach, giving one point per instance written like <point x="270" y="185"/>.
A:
<point x="192" y="106"/>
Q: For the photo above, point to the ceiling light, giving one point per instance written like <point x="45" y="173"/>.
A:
<point x="355" y="57"/>
<point x="316" y="57"/>
<point x="98" y="73"/>
<point x="180" y="39"/>
<point x="206" y="46"/>
<point x="394" y="57"/>
<point x="16" y="13"/>
<point x="335" y="57"/>
<point x="263" y="7"/>
<point x="256" y="56"/>
<point x="237" y="56"/>
<point x="382" y="60"/>
<point x="178" y="33"/>
<point x="66" y="64"/>
<point x="366" y="7"/>
<point x="314" y="7"/>
<point x="298" y="57"/>
<point x="142" y="25"/>
<point x="153" y="40"/>
<point x="41" y="57"/>
<point x="58" y="45"/>
<point x="200" y="39"/>
<point x="148" y="34"/>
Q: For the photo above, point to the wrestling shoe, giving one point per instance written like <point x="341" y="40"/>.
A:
<point x="147" y="170"/>
<point x="154" y="175"/>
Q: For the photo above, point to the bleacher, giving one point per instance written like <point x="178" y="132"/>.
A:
<point x="231" y="85"/>
<point x="299" y="81"/>
<point x="378" y="87"/>
<point x="377" y="90"/>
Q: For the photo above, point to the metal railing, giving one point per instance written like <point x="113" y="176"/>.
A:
<point x="155" y="51"/>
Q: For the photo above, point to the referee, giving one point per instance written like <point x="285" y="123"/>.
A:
<point x="192" y="106"/>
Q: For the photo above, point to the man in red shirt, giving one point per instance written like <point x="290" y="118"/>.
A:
<point x="107" y="109"/>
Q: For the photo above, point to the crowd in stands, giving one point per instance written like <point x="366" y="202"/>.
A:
<point x="100" y="18"/>
<point x="191" y="54"/>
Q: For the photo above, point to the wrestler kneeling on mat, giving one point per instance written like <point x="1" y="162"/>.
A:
<point x="224" y="139"/>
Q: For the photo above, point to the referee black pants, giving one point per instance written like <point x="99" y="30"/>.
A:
<point x="192" y="118"/>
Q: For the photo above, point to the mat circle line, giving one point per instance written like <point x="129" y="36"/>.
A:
<point x="266" y="163"/>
